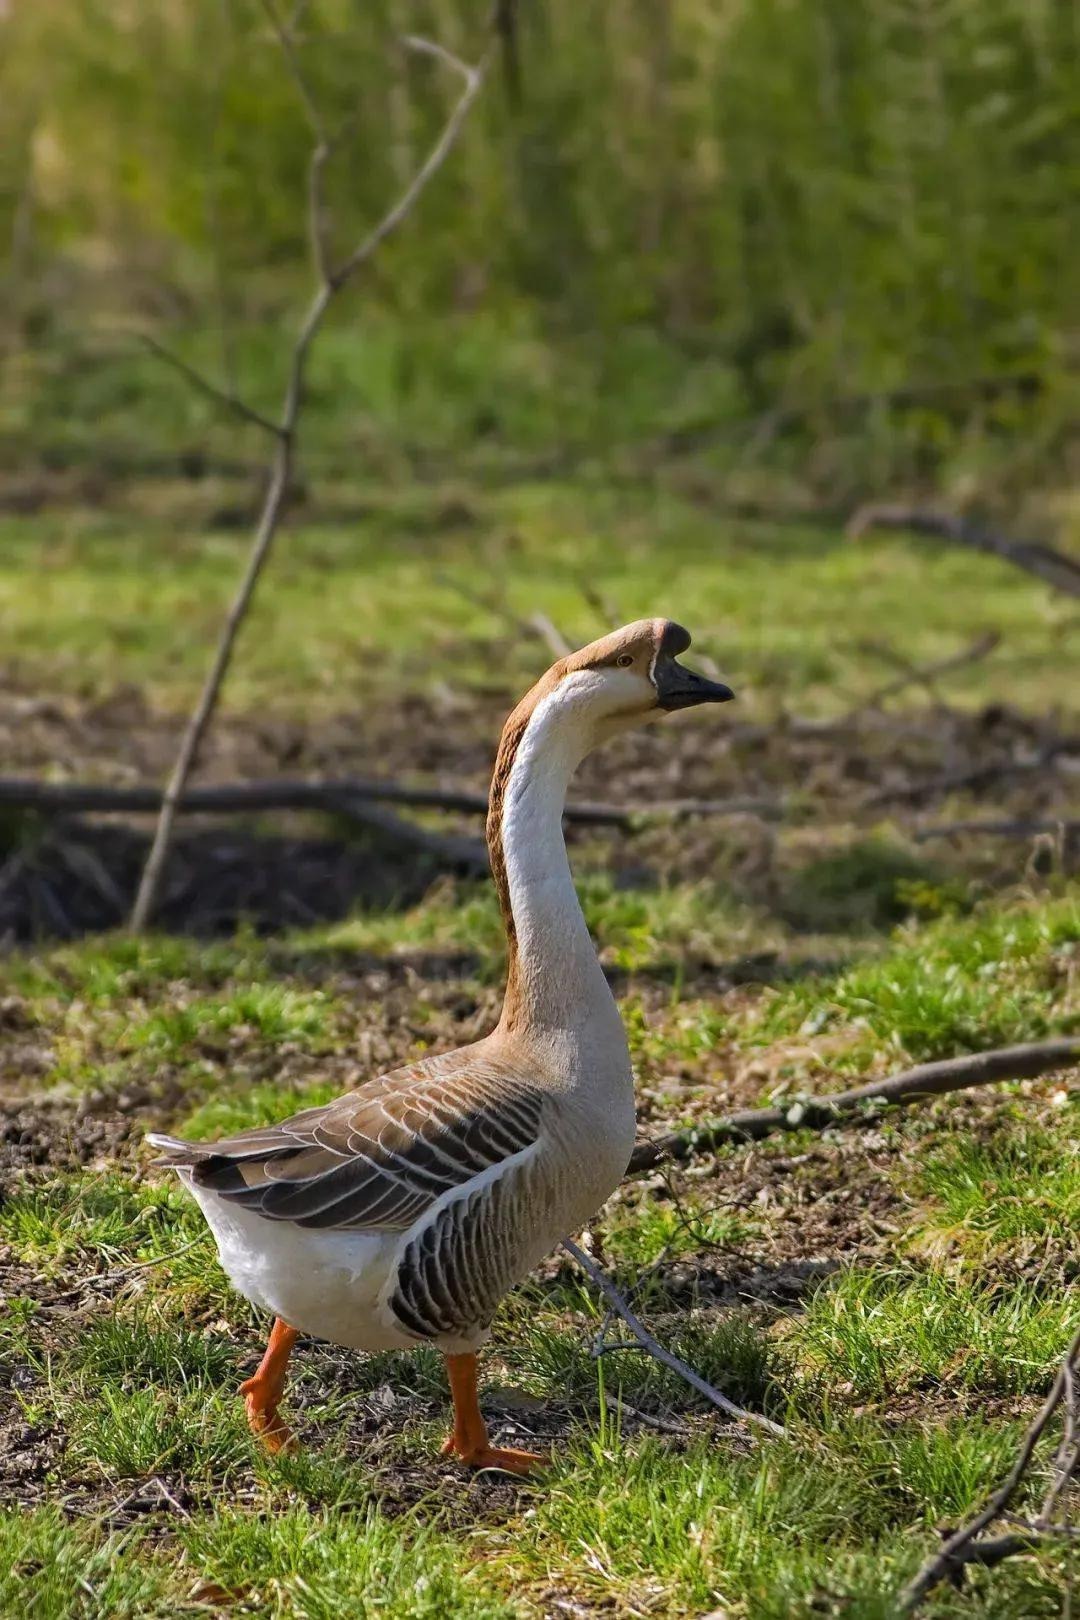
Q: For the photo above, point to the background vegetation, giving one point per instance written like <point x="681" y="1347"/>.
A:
<point x="700" y="278"/>
<point x="663" y="217"/>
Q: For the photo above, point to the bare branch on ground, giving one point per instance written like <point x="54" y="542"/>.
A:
<point x="657" y="1351"/>
<point x="1021" y="827"/>
<point x="329" y="282"/>
<point x="1023" y="1062"/>
<point x="1053" y="567"/>
<point x="966" y="1545"/>
<point x="975" y="776"/>
<point x="536" y="625"/>
<point x="924" y="674"/>
<point x="62" y="798"/>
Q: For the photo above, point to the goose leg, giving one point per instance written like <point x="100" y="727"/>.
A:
<point x="469" y="1439"/>
<point x="262" y="1392"/>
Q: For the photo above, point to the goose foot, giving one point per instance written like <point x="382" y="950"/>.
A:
<point x="263" y="1421"/>
<point x="262" y="1392"/>
<point x="469" y="1437"/>
<point x="506" y="1458"/>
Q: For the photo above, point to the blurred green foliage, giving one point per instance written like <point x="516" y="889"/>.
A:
<point x="826" y="200"/>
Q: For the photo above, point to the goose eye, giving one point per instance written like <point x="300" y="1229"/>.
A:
<point x="624" y="660"/>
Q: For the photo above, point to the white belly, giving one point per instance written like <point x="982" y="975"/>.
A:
<point x="332" y="1285"/>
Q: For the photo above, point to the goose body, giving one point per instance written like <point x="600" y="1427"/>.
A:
<point x="403" y="1212"/>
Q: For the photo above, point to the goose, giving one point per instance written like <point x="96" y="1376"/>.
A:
<point x="400" y="1214"/>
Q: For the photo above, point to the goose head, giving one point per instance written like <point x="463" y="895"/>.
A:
<point x="628" y="678"/>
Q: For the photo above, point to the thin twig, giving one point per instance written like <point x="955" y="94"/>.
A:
<point x="975" y="776"/>
<point x="617" y="1406"/>
<point x="329" y="282"/>
<point x="1067" y="1459"/>
<point x="220" y="396"/>
<point x="321" y="151"/>
<point x="152" y="873"/>
<point x="159" y="1259"/>
<point x="1020" y="827"/>
<point x="1023" y="1062"/>
<point x="537" y="625"/>
<point x="284" y="33"/>
<point x="925" y="674"/>
<point x="658" y="1352"/>
<point x="964" y="1545"/>
<point x="474" y="78"/>
<point x="550" y="635"/>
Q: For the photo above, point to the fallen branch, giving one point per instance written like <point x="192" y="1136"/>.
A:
<point x="975" y="776"/>
<point x="328" y="282"/>
<point x="657" y="1351"/>
<point x="1022" y="827"/>
<point x="1054" y="568"/>
<point x="923" y="674"/>
<point x="467" y="855"/>
<point x="617" y="1407"/>
<point x="899" y="1090"/>
<point x="964" y="1545"/>
<point x="61" y="798"/>
<point x="536" y="625"/>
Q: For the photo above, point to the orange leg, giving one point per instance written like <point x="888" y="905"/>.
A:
<point x="469" y="1439"/>
<point x="263" y="1391"/>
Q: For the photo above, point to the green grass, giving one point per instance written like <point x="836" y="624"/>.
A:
<point x="996" y="977"/>
<point x="349" y="612"/>
<point x="273" y="1013"/>
<point x="654" y="930"/>
<point x="52" y="1569"/>
<point x="903" y="1377"/>
<point x="879" y="1331"/>
<point x="321" y="1564"/>
<point x="1020" y="1190"/>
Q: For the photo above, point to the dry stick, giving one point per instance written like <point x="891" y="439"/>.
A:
<point x="963" y="1546"/>
<point x="466" y="854"/>
<point x="329" y="282"/>
<point x="550" y="634"/>
<point x="925" y="674"/>
<point x="220" y="396"/>
<point x="342" y="794"/>
<point x="1023" y="1062"/>
<point x="975" y="776"/>
<point x="1019" y="828"/>
<point x="537" y="625"/>
<point x="617" y="1406"/>
<point x="657" y="1351"/>
<point x="1052" y="567"/>
<point x="1067" y="1459"/>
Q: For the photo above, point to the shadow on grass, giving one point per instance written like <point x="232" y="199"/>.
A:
<point x="69" y="880"/>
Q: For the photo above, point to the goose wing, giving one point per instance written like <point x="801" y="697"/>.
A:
<point x="380" y="1157"/>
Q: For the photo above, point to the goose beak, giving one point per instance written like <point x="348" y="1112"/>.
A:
<point x="680" y="688"/>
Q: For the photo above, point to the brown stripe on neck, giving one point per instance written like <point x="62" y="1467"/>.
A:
<point x="509" y="743"/>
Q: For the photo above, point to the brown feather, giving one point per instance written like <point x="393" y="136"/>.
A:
<point x="379" y="1157"/>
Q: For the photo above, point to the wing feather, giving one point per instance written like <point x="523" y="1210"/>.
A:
<point x="381" y="1156"/>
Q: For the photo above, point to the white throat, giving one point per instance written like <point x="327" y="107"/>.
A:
<point x="560" y="982"/>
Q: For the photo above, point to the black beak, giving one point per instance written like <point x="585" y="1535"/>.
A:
<point x="680" y="688"/>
